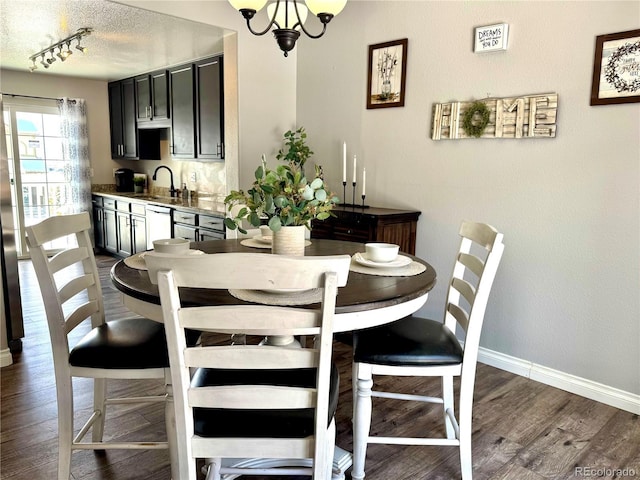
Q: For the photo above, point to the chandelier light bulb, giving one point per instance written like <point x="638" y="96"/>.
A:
<point x="333" y="7"/>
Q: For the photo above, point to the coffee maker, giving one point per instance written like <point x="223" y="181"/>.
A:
<point x="124" y="180"/>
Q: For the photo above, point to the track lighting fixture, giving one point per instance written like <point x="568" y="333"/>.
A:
<point x="63" y="53"/>
<point x="288" y="17"/>
<point x="81" y="48"/>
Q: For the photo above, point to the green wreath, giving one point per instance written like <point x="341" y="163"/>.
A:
<point x="475" y="129"/>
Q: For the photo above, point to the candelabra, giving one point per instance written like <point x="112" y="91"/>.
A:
<point x="353" y="196"/>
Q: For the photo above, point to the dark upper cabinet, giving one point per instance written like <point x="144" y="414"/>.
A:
<point x="209" y="109"/>
<point x="188" y="98"/>
<point x="183" y="122"/>
<point x="152" y="99"/>
<point x="122" y="119"/>
<point x="122" y="115"/>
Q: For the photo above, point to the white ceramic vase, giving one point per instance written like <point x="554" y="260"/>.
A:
<point x="289" y="241"/>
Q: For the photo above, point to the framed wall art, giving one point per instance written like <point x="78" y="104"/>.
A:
<point x="616" y="68"/>
<point x="387" y="74"/>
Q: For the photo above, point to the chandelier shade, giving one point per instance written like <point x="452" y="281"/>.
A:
<point x="287" y="17"/>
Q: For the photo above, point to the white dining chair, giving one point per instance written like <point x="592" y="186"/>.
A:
<point x="426" y="348"/>
<point x="252" y="401"/>
<point x="131" y="349"/>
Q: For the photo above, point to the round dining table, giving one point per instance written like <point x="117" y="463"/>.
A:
<point x="368" y="299"/>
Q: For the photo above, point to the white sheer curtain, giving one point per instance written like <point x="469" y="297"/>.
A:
<point x="76" y="152"/>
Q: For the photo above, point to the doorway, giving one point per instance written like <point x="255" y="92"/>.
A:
<point x="39" y="178"/>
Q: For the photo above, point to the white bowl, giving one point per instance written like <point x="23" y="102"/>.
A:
<point x="381" y="252"/>
<point x="171" y="245"/>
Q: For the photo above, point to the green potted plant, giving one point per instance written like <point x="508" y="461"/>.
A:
<point x="284" y="196"/>
<point x="138" y="184"/>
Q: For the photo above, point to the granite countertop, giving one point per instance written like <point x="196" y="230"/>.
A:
<point x="211" y="205"/>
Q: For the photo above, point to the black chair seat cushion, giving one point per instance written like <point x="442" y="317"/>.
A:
<point x="243" y="423"/>
<point x="410" y="341"/>
<point x="119" y="344"/>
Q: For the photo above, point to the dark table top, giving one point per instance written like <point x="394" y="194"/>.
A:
<point x="362" y="293"/>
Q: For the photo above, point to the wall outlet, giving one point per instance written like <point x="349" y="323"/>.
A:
<point x="114" y="172"/>
<point x="193" y="177"/>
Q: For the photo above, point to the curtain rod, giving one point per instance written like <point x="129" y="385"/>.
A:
<point x="29" y="96"/>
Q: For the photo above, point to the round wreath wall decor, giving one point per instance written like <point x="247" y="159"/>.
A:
<point x="475" y="119"/>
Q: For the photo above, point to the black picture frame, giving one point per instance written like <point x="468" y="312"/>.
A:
<point x="616" y="68"/>
<point x="387" y="77"/>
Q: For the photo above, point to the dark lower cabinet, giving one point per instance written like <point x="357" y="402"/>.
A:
<point x="370" y="225"/>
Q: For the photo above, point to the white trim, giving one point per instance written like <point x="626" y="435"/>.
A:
<point x="614" y="397"/>
<point x="6" y="358"/>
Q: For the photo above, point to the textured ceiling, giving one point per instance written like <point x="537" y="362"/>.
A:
<point x="125" y="41"/>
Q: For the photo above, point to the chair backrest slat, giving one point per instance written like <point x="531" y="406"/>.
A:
<point x="255" y="357"/>
<point x="75" y="286"/>
<point x="255" y="319"/>
<point x="253" y="397"/>
<point x="80" y="314"/>
<point x="67" y="258"/>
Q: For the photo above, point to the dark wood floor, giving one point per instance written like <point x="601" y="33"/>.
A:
<point x="523" y="430"/>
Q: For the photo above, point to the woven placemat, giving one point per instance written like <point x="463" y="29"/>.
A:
<point x="286" y="298"/>
<point x="414" y="268"/>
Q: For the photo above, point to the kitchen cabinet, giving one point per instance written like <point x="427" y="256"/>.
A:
<point x="210" y="228"/>
<point x="152" y="99"/>
<point x="197" y="227"/>
<point x="370" y="225"/>
<point x="183" y="123"/>
<point x="209" y="104"/>
<point x="184" y="225"/>
<point x="108" y="223"/>
<point x="197" y="109"/>
<point x="98" y="222"/>
<point x="122" y="119"/>
<point x="138" y="228"/>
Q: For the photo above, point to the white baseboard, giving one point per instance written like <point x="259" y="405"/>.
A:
<point x="586" y="388"/>
<point x="5" y="358"/>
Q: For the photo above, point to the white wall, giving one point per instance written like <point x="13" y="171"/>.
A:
<point x="567" y="295"/>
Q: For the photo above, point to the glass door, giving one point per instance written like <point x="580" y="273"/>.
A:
<point x="39" y="179"/>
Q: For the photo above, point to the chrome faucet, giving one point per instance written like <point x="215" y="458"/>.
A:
<point x="172" y="190"/>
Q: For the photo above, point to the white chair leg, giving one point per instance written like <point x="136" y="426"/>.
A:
<point x="362" y="419"/>
<point x="65" y="427"/>
<point x="448" y="399"/>
<point x="99" y="396"/>
<point x="213" y="472"/>
<point x="465" y="417"/>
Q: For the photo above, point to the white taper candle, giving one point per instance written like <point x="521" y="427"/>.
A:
<point x="344" y="162"/>
<point x="354" y="168"/>
<point x="364" y="181"/>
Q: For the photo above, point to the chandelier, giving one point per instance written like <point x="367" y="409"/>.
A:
<point x="63" y="47"/>
<point x="288" y="17"/>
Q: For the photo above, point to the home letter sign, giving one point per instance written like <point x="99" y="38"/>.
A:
<point x="526" y="116"/>
<point x="491" y="38"/>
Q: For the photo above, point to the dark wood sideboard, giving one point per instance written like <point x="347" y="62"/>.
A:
<point x="370" y="225"/>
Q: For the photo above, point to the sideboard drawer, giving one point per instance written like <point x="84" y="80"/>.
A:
<point x="370" y="225"/>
